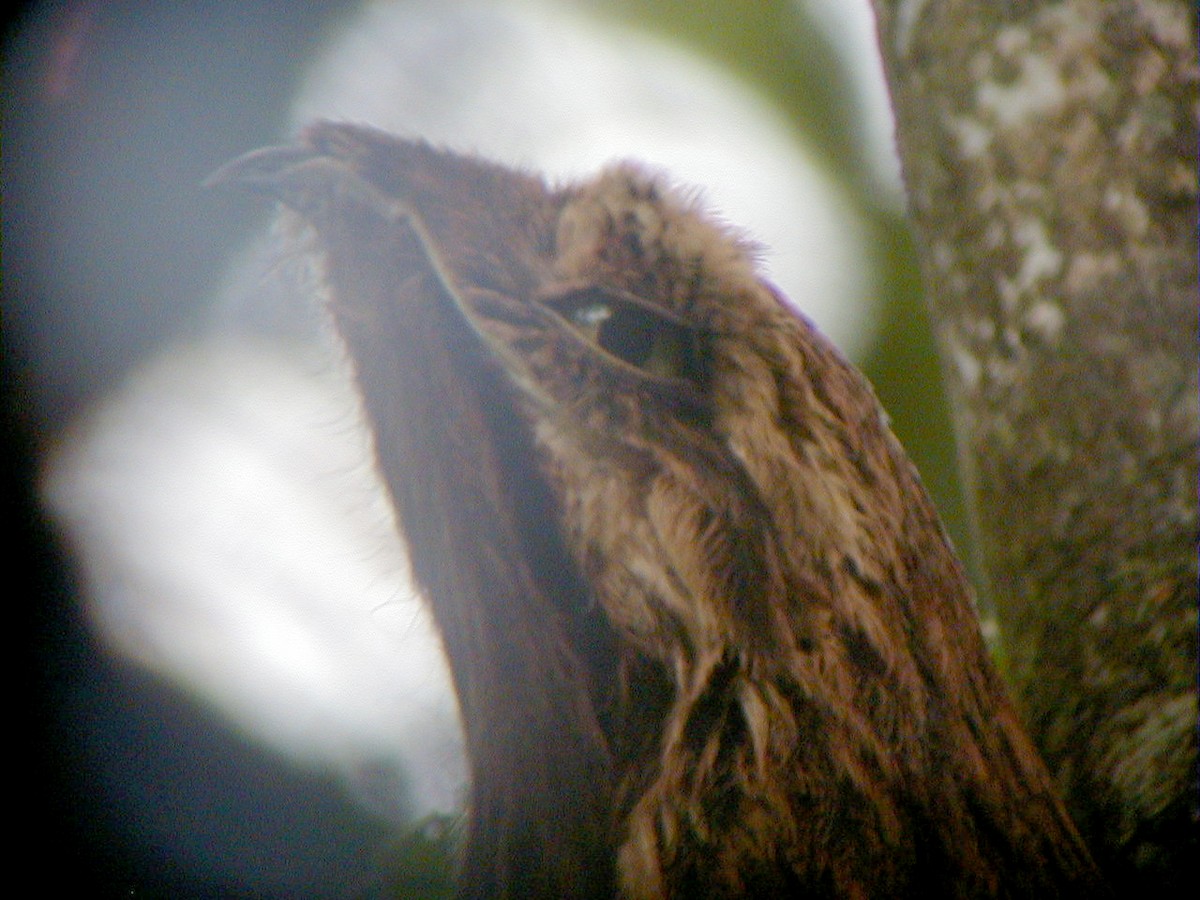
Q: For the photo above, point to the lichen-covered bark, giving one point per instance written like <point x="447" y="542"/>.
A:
<point x="1049" y="151"/>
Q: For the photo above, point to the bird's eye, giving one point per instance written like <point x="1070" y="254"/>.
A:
<point x="652" y="341"/>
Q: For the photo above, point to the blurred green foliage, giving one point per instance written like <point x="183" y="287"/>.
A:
<point x="420" y="863"/>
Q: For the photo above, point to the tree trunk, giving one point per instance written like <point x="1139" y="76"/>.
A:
<point x="1049" y="151"/>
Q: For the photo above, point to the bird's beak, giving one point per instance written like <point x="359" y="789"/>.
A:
<point x="371" y="203"/>
<point x="306" y="180"/>
<point x="260" y="170"/>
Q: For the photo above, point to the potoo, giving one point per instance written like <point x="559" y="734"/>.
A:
<point x="706" y="632"/>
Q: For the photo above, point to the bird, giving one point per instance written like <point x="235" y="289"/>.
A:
<point x="707" y="635"/>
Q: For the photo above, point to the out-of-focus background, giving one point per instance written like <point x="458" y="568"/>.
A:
<point x="231" y="689"/>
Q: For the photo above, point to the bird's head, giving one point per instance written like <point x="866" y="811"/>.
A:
<point x="614" y="304"/>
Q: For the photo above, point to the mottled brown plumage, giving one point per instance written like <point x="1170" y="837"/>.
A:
<point x="707" y="634"/>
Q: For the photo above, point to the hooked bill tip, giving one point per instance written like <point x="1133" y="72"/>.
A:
<point x="259" y="169"/>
